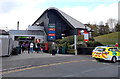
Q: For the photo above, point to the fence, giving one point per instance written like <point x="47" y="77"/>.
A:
<point x="85" y="50"/>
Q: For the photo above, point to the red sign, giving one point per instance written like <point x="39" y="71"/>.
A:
<point x="52" y="29"/>
<point x="46" y="46"/>
<point x="86" y="36"/>
<point x="37" y="40"/>
<point x="51" y="34"/>
<point x="85" y="31"/>
<point x="78" y="32"/>
<point x="86" y="40"/>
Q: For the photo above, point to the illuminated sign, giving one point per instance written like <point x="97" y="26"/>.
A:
<point x="51" y="37"/>
<point x="24" y="38"/>
<point x="51" y="32"/>
<point x="51" y="29"/>
<point x="86" y="36"/>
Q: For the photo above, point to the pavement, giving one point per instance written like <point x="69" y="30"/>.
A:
<point x="25" y="55"/>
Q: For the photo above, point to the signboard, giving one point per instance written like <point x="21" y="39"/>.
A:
<point x="24" y="38"/>
<point x="51" y="26"/>
<point x="51" y="29"/>
<point x="51" y="32"/>
<point x="51" y="37"/>
<point x="86" y="36"/>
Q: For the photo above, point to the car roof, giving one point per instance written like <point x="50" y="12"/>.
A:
<point x="106" y="47"/>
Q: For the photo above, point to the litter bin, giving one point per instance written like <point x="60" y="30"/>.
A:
<point x="18" y="50"/>
<point x="14" y="52"/>
<point x="63" y="50"/>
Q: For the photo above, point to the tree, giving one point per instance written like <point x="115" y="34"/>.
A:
<point x="117" y="27"/>
<point x="103" y="29"/>
<point x="94" y="28"/>
<point x="106" y="28"/>
<point x="112" y="23"/>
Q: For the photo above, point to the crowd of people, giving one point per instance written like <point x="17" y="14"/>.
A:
<point x="31" y="47"/>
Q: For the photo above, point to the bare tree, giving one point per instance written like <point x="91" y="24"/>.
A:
<point x="112" y="23"/>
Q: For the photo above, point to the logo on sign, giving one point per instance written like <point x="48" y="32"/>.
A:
<point x="51" y="37"/>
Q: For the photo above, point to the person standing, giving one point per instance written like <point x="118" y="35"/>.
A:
<point x="31" y="47"/>
<point x="38" y="47"/>
<point x="54" y="48"/>
<point x="27" y="47"/>
<point x="116" y="45"/>
<point x="23" y="47"/>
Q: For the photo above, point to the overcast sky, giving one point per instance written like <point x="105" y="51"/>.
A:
<point x="27" y="11"/>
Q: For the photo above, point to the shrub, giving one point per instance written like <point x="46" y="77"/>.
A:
<point x="93" y="44"/>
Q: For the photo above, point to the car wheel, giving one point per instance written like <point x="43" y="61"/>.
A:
<point x="114" y="59"/>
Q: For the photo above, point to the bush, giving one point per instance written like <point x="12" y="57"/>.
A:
<point x="71" y="51"/>
<point x="93" y="44"/>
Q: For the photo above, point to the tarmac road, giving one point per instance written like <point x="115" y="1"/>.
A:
<point x="46" y="65"/>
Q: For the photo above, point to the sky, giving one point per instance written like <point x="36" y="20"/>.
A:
<point x="28" y="11"/>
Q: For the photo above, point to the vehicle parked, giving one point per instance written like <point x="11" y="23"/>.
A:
<point x="110" y="53"/>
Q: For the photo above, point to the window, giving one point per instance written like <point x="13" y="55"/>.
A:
<point x="110" y="49"/>
<point x="115" y="49"/>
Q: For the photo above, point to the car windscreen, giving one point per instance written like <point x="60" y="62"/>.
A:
<point x="100" y="49"/>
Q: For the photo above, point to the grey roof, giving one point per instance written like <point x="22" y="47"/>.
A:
<point x="26" y="32"/>
<point x="3" y="32"/>
<point x="75" y="23"/>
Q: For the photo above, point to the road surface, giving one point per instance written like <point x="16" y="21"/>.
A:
<point x="41" y="65"/>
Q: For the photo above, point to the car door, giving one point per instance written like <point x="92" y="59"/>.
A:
<point x="117" y="53"/>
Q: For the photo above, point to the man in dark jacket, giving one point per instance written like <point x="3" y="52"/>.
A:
<point x="54" y="48"/>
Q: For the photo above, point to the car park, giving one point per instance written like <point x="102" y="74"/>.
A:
<point x="109" y="53"/>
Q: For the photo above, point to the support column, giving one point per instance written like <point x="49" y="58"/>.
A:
<point x="75" y="44"/>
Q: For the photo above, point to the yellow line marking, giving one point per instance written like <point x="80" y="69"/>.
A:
<point x="17" y="70"/>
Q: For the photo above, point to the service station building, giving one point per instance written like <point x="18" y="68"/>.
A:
<point x="51" y="25"/>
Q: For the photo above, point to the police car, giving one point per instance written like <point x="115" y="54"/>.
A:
<point x="110" y="53"/>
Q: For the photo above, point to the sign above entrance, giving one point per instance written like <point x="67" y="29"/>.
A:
<point x="24" y="38"/>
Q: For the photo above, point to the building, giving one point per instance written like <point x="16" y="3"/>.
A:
<point x="58" y="24"/>
<point x="51" y="25"/>
<point x="31" y="35"/>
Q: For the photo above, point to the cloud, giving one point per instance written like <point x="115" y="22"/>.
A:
<point x="27" y="11"/>
<point x="6" y="6"/>
<point x="82" y="0"/>
<point x="100" y="13"/>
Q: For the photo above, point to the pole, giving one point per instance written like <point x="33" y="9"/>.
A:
<point x="18" y="25"/>
<point x="75" y="44"/>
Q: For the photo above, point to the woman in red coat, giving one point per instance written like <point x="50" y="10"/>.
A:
<point x="116" y="45"/>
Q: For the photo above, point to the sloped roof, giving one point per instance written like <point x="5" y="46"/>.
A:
<point x="75" y="23"/>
